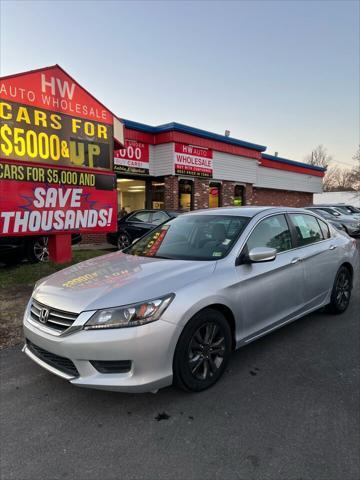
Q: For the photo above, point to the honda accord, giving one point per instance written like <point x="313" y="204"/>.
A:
<point x="172" y="306"/>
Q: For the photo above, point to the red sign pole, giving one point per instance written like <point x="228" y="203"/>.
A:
<point x="60" y="248"/>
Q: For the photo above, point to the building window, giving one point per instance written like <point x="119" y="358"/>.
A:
<point x="186" y="190"/>
<point x="214" y="195"/>
<point x="239" y="195"/>
<point x="158" y="194"/>
<point x="131" y="194"/>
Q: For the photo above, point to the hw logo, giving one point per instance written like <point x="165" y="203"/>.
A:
<point x="57" y="86"/>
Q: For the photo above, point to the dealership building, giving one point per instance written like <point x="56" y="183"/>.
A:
<point x="177" y="167"/>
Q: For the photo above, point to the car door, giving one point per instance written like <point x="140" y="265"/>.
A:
<point x="138" y="224"/>
<point x="317" y="251"/>
<point x="270" y="292"/>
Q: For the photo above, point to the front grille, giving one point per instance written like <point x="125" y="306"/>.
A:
<point x="57" y="320"/>
<point x="60" y="363"/>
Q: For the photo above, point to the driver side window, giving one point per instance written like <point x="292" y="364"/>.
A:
<point x="273" y="232"/>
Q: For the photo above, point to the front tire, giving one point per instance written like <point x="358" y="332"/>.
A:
<point x="203" y="351"/>
<point x="341" y="292"/>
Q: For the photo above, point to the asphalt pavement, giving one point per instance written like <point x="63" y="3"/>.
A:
<point x="287" y="409"/>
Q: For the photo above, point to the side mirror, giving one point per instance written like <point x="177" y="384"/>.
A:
<point x="262" y="254"/>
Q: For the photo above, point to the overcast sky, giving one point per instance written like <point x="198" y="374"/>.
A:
<point x="284" y="74"/>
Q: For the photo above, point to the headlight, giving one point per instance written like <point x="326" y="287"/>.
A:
<point x="129" y="315"/>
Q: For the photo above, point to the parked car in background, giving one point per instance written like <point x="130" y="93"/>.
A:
<point x="349" y="224"/>
<point x="136" y="224"/>
<point x="33" y="248"/>
<point x="175" y="304"/>
<point x="329" y="217"/>
<point x="344" y="209"/>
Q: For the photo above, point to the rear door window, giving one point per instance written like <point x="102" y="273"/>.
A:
<point x="307" y="229"/>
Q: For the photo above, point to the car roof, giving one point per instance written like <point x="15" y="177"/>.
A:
<point x="247" y="211"/>
<point x="334" y="205"/>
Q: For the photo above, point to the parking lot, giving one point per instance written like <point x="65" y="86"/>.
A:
<point x="288" y="408"/>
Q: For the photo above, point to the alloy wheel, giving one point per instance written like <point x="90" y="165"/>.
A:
<point x="123" y="241"/>
<point x="41" y="250"/>
<point x="343" y="290"/>
<point x="206" y="351"/>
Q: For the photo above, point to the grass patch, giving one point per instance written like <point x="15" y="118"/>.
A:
<point x="29" y="273"/>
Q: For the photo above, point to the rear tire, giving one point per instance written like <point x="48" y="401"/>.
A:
<point x="123" y="241"/>
<point x="202" y="352"/>
<point x="37" y="249"/>
<point x="341" y="292"/>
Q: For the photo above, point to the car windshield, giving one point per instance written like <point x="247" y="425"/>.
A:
<point x="320" y="211"/>
<point x="191" y="237"/>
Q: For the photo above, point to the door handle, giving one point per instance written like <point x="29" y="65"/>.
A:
<point x="332" y="247"/>
<point x="295" y="260"/>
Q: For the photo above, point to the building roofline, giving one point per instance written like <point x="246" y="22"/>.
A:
<point x="179" y="127"/>
<point x="273" y="158"/>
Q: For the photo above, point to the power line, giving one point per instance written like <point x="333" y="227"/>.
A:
<point x="353" y="164"/>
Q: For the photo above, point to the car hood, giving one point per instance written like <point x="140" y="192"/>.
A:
<point x="117" y="279"/>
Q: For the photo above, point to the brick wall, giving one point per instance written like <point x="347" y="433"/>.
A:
<point x="228" y="190"/>
<point x="227" y="194"/>
<point x="95" y="238"/>
<point x="171" y="193"/>
<point x="201" y="193"/>
<point x="286" y="198"/>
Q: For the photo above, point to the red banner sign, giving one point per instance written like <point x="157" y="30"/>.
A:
<point x="58" y="201"/>
<point x="193" y="161"/>
<point x="53" y="89"/>
<point x="134" y="158"/>
<point x="56" y="156"/>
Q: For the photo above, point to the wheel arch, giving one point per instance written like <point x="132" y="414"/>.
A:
<point x="350" y="268"/>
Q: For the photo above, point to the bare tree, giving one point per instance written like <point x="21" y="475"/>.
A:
<point x="319" y="157"/>
<point x="356" y="157"/>
<point x="332" y="179"/>
<point x="355" y="172"/>
<point x="342" y="179"/>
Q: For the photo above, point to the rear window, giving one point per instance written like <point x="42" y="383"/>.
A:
<point x="140" y="217"/>
<point x="307" y="229"/>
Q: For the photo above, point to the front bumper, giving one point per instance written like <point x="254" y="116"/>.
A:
<point x="150" y="348"/>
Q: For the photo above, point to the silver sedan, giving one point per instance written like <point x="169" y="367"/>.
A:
<point x="171" y="307"/>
